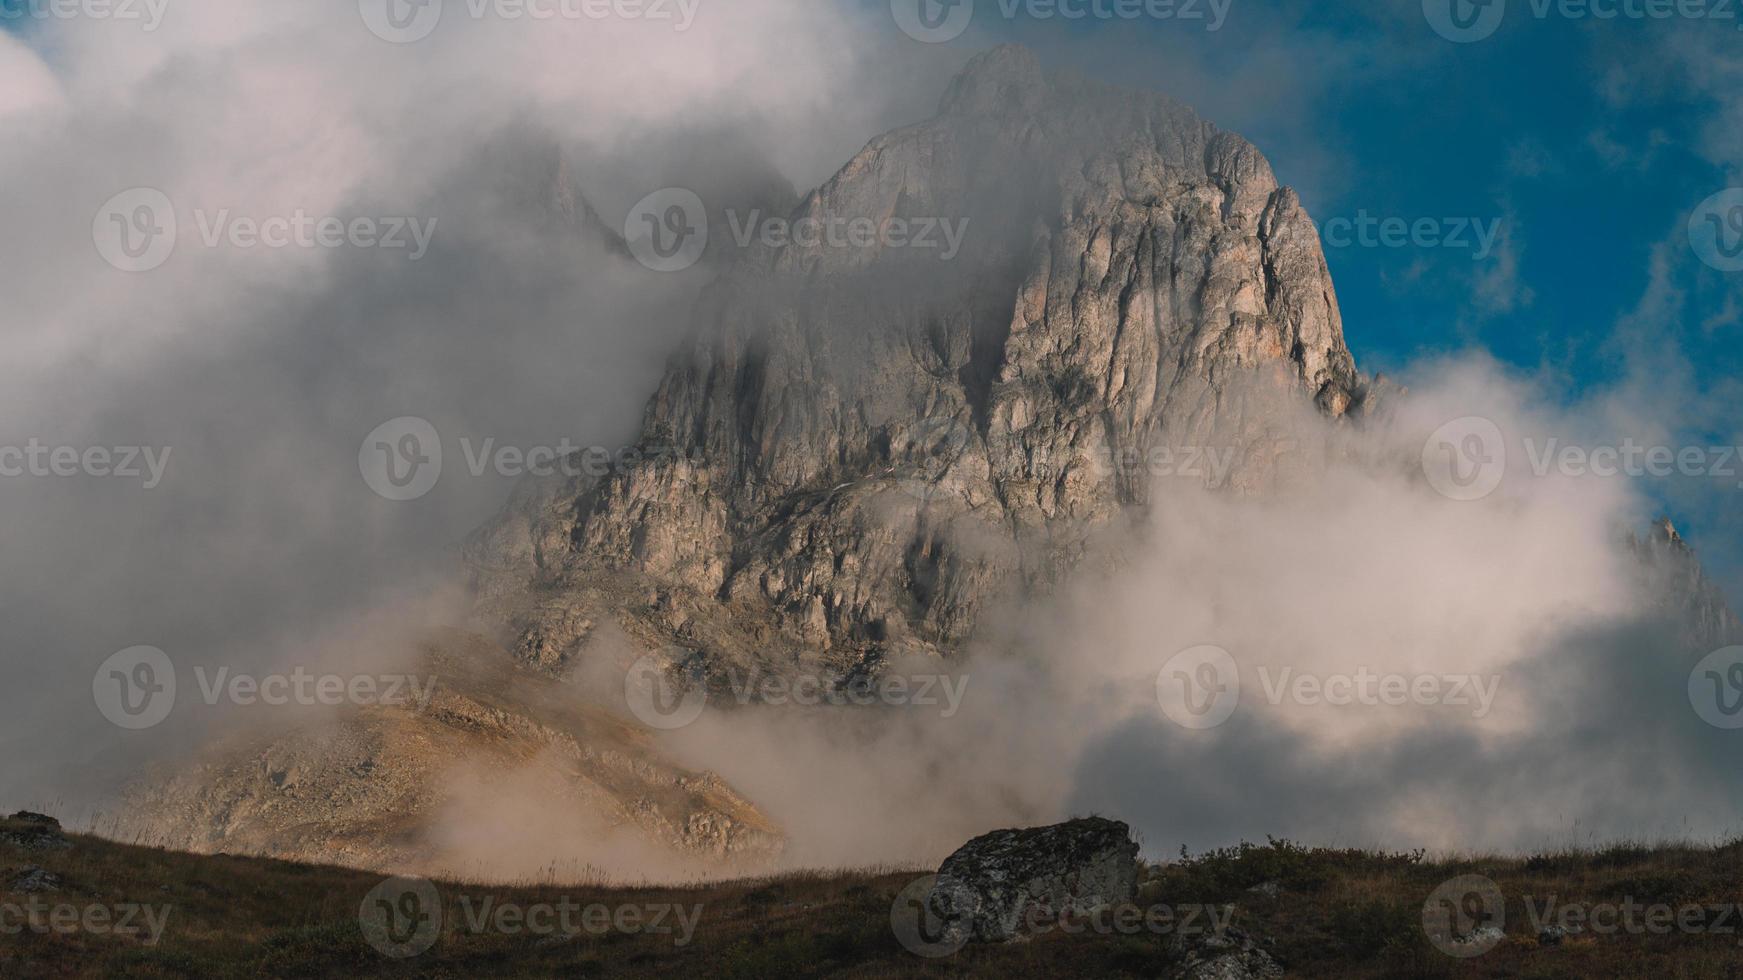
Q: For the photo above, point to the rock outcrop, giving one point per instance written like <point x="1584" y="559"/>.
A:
<point x="33" y="832"/>
<point x="1000" y="885"/>
<point x="1681" y="587"/>
<point x="865" y="448"/>
<point x="498" y="747"/>
<point x="1229" y="954"/>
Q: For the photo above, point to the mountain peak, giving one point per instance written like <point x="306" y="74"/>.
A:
<point x="863" y="448"/>
<point x="1004" y="79"/>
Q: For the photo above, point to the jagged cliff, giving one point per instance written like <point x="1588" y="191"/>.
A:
<point x="1674" y="577"/>
<point x="861" y="450"/>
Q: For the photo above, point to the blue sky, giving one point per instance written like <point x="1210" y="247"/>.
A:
<point x="1591" y="142"/>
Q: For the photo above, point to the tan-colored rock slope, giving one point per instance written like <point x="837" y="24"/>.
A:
<point x="862" y="451"/>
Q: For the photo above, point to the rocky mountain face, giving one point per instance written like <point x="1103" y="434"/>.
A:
<point x="391" y="787"/>
<point x="863" y="450"/>
<point x="1673" y="575"/>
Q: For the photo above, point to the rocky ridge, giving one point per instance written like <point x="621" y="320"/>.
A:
<point x="863" y="451"/>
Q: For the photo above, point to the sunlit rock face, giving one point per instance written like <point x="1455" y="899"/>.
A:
<point x="870" y="443"/>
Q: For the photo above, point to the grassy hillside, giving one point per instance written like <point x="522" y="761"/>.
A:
<point x="1318" y="912"/>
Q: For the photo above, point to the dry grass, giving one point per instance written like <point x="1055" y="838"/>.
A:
<point x="1337" y="913"/>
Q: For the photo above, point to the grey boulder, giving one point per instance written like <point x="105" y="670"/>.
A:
<point x="1004" y="884"/>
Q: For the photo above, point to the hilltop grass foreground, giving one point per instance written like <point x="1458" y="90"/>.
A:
<point x="82" y="906"/>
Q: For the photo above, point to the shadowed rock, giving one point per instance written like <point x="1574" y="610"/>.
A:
<point x="1001" y="885"/>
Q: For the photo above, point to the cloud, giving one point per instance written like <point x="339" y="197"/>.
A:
<point x="264" y="368"/>
<point x="1562" y="682"/>
<point x="260" y="369"/>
